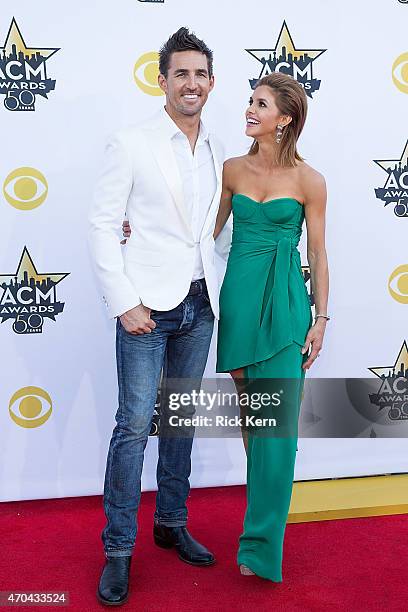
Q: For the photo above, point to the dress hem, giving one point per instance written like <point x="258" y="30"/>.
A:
<point x="252" y="564"/>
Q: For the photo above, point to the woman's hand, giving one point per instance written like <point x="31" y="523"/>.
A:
<point x="314" y="339"/>
<point x="126" y="231"/>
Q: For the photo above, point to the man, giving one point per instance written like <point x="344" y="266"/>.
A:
<point x="163" y="290"/>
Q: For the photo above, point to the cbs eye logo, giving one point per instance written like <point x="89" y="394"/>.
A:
<point x="398" y="284"/>
<point x="27" y="409"/>
<point x="400" y="72"/>
<point x="145" y="73"/>
<point x="25" y="188"/>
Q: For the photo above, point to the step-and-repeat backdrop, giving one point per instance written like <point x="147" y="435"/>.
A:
<point x="72" y="74"/>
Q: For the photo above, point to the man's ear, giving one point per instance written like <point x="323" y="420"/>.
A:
<point x="161" y="79"/>
<point x="212" y="82"/>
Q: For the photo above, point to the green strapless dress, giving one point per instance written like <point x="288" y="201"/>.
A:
<point x="265" y="315"/>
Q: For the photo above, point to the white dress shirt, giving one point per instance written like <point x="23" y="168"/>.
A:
<point x="198" y="178"/>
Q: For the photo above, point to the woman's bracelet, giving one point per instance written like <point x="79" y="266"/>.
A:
<point x="322" y="315"/>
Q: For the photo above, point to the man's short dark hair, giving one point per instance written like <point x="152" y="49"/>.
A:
<point x="183" y="40"/>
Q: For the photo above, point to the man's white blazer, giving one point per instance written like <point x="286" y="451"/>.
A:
<point x="140" y="177"/>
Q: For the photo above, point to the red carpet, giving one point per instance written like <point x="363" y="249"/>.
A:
<point x="341" y="565"/>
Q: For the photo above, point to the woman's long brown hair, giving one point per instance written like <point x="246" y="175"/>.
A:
<point x="290" y="98"/>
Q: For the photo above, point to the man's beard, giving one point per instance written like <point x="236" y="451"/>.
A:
<point x="184" y="109"/>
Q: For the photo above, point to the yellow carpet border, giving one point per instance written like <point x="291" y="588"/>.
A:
<point x="342" y="498"/>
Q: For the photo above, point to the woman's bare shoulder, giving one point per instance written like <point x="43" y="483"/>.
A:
<point x="233" y="168"/>
<point x="313" y="184"/>
<point x="234" y="163"/>
<point x="310" y="175"/>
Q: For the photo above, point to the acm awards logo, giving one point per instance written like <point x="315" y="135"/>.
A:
<point x="30" y="407"/>
<point x="395" y="190"/>
<point x="392" y="395"/>
<point x="29" y="297"/>
<point x="307" y="280"/>
<point x="155" y="425"/>
<point x="285" y="58"/>
<point x="23" y="72"/>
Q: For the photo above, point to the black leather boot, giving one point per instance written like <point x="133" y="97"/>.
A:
<point x="189" y="550"/>
<point x="113" y="587"/>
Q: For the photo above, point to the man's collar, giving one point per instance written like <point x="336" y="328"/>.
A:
<point x="203" y="133"/>
<point x="172" y="129"/>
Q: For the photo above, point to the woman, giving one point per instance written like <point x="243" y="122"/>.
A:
<point x="265" y="327"/>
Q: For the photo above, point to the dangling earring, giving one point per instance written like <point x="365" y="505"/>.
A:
<point x="279" y="132"/>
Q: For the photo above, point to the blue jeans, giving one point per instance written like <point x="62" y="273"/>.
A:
<point x="179" y="344"/>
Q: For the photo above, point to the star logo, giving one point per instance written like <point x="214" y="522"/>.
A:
<point x="15" y="38"/>
<point x="23" y="72"/>
<point x="29" y="297"/>
<point x="395" y="190"/>
<point x="392" y="393"/>
<point x="285" y="58"/>
<point x="400" y="367"/>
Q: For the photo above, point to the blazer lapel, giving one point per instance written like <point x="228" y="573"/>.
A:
<point x="163" y="152"/>
<point x="215" y="202"/>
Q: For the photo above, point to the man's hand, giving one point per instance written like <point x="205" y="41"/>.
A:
<point x="137" y="320"/>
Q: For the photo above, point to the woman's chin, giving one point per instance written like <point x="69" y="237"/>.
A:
<point x="253" y="131"/>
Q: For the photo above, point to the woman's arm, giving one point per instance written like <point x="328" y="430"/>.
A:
<point x="315" y="214"/>
<point x="224" y="209"/>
